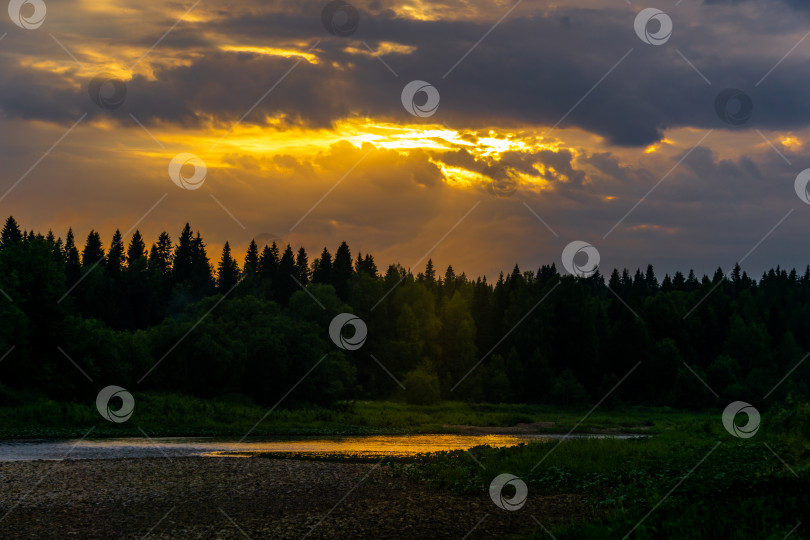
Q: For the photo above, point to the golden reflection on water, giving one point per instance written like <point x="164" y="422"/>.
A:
<point x="361" y="447"/>
<point x="371" y="446"/>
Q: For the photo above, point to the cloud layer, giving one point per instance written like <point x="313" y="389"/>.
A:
<point x="306" y="138"/>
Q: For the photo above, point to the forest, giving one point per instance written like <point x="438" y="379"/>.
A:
<point x="165" y="317"/>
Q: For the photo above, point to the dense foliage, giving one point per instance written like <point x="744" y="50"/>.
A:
<point x="691" y="480"/>
<point x="252" y="329"/>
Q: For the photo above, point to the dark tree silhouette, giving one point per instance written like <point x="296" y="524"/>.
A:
<point x="160" y="255"/>
<point x="115" y="256"/>
<point x="73" y="266"/>
<point x="93" y="252"/>
<point x="183" y="259"/>
<point x="136" y="249"/>
<point x="302" y="267"/>
<point x="285" y="286"/>
<point x="472" y="339"/>
<point x="11" y="233"/>
<point x="228" y="271"/>
<point x="252" y="258"/>
<point x="342" y="270"/>
<point x="268" y="262"/>
<point x="323" y="268"/>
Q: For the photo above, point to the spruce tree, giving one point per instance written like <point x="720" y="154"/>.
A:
<point x="93" y="251"/>
<point x="136" y="249"/>
<point x="430" y="273"/>
<point x="323" y="271"/>
<point x="650" y="280"/>
<point x="692" y="281"/>
<point x="183" y="254"/>
<point x="678" y="282"/>
<point x="450" y="275"/>
<point x="201" y="275"/>
<point x="11" y="233"/>
<point x="369" y="266"/>
<point x="115" y="256"/>
<point x="160" y="255"/>
<point x="252" y="258"/>
<point x="227" y="271"/>
<point x="342" y="270"/>
<point x="284" y="285"/>
<point x="302" y="266"/>
<point x="73" y="266"/>
<point x="268" y="262"/>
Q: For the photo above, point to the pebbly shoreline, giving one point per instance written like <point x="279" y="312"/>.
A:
<point x="224" y="498"/>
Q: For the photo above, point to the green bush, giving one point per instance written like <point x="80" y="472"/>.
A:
<point x="567" y="390"/>
<point x="421" y="387"/>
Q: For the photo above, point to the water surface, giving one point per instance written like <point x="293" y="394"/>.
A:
<point x="362" y="446"/>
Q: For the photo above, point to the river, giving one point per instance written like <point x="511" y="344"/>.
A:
<point x="361" y="446"/>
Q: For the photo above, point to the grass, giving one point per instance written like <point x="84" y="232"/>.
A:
<point x="175" y="415"/>
<point x="738" y="489"/>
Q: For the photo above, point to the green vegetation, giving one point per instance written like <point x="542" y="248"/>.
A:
<point x="209" y="352"/>
<point x="738" y="489"/>
<point x="524" y="337"/>
<point x="171" y="414"/>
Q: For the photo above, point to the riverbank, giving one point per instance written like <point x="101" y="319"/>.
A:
<point x="696" y="481"/>
<point x="171" y="415"/>
<point x="261" y="498"/>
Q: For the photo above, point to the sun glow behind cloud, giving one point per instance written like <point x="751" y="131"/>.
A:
<point x="271" y="51"/>
<point x="261" y="144"/>
<point x="335" y="102"/>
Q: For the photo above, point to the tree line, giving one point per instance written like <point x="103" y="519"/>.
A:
<point x="166" y="318"/>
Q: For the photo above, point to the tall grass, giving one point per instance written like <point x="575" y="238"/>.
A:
<point x="171" y="414"/>
<point x="737" y="489"/>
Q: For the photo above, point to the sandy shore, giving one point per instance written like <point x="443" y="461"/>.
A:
<point x="199" y="497"/>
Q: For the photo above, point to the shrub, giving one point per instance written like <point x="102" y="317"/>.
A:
<point x="421" y="387"/>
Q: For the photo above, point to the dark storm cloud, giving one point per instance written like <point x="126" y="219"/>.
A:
<point x="796" y="4"/>
<point x="531" y="70"/>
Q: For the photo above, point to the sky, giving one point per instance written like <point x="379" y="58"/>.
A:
<point x="481" y="134"/>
